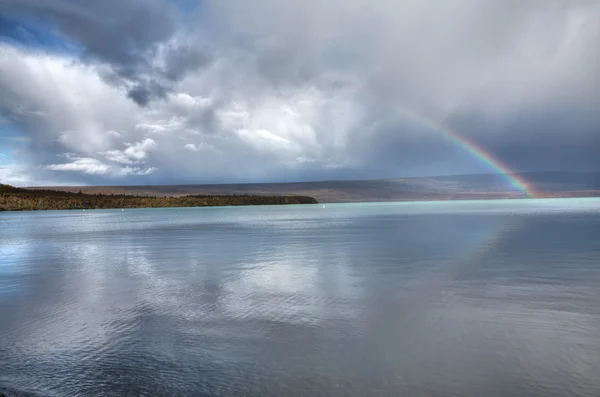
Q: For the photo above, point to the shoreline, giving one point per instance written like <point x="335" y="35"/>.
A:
<point x="386" y="202"/>
<point x="19" y="199"/>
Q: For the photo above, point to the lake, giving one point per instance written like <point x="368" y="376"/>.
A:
<point x="466" y="298"/>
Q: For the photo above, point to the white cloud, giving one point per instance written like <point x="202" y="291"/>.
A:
<point x="134" y="153"/>
<point x="86" y="165"/>
<point x="17" y="175"/>
<point x="136" y="170"/>
<point x="159" y="126"/>
<point x="192" y="147"/>
<point x="265" y="140"/>
<point x="183" y="104"/>
<point x="139" y="151"/>
<point x="117" y="156"/>
<point x="257" y="134"/>
<point x="115" y="134"/>
<point x="201" y="147"/>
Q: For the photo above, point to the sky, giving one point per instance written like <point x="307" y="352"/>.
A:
<point x="221" y="91"/>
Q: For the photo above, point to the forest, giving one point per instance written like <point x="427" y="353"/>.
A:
<point x="19" y="199"/>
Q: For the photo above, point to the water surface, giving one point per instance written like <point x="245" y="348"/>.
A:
<point x="485" y="298"/>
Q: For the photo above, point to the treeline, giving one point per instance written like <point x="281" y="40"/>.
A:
<point x="17" y="199"/>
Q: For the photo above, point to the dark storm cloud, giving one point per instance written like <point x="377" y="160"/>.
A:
<point x="505" y="62"/>
<point x="119" y="32"/>
<point x="142" y="94"/>
<point x="563" y="134"/>
<point x="543" y="144"/>
<point x="184" y="59"/>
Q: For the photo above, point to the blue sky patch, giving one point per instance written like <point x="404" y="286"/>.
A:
<point x="27" y="31"/>
<point x="11" y="141"/>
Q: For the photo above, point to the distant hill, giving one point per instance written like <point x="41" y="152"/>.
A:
<point x="18" y="199"/>
<point x="484" y="186"/>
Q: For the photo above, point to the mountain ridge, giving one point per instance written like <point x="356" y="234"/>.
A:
<point x="444" y="187"/>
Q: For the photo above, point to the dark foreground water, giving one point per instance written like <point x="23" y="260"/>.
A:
<point x="494" y="298"/>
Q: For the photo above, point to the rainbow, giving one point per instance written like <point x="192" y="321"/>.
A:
<point x="476" y="151"/>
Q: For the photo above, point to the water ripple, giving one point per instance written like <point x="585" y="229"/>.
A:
<point x="439" y="299"/>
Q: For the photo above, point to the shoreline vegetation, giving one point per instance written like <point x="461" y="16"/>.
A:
<point x="18" y="199"/>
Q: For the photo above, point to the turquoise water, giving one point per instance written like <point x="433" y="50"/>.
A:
<point x="471" y="298"/>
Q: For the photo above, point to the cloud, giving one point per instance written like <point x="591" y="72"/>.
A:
<point x="136" y="171"/>
<point x="139" y="40"/>
<point x="81" y="164"/>
<point x="192" y="147"/>
<point x="265" y="140"/>
<point x="202" y="147"/>
<point x="424" y="54"/>
<point x="113" y="133"/>
<point x="16" y="175"/>
<point x="327" y="89"/>
<point x="134" y="153"/>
